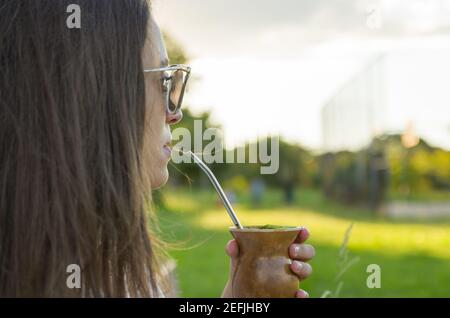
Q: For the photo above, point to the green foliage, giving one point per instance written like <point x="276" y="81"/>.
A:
<point x="175" y="51"/>
<point x="238" y="184"/>
<point x="385" y="166"/>
<point x="183" y="173"/>
<point x="419" y="169"/>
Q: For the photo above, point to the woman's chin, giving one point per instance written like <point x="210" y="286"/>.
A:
<point x="160" y="179"/>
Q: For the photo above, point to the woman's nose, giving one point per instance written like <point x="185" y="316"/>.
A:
<point x="173" y="119"/>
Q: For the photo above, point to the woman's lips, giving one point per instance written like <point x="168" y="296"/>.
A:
<point x="167" y="150"/>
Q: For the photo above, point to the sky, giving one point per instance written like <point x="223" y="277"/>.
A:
<point x="269" y="67"/>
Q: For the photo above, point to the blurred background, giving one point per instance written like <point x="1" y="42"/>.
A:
<point x="357" y="92"/>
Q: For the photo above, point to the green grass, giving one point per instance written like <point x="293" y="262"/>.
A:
<point x="414" y="257"/>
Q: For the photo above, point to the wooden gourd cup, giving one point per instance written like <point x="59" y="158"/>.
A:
<point x="263" y="265"/>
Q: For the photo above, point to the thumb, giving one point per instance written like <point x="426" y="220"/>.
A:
<point x="232" y="249"/>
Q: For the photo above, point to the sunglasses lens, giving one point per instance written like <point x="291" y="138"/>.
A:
<point x="176" y="91"/>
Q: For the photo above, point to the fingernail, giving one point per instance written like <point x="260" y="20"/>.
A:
<point x="302" y="294"/>
<point x="297" y="267"/>
<point x="297" y="250"/>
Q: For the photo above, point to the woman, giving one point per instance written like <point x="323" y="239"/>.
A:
<point x="84" y="134"/>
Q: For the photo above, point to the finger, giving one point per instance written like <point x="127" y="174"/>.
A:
<point x="301" y="252"/>
<point x="232" y="249"/>
<point x="301" y="269"/>
<point x="301" y="294"/>
<point x="302" y="235"/>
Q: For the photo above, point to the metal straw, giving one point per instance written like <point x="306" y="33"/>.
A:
<point x="218" y="188"/>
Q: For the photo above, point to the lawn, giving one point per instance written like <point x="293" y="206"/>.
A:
<point x="414" y="257"/>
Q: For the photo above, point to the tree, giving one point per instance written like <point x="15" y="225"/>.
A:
<point x="176" y="53"/>
<point x="296" y="168"/>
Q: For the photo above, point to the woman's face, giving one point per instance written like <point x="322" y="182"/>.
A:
<point x="157" y="137"/>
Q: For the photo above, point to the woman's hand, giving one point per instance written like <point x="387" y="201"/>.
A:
<point x="299" y="252"/>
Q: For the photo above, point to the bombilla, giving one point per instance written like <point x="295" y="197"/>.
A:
<point x="218" y="188"/>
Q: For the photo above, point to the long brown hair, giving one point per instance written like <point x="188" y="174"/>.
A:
<point x="72" y="114"/>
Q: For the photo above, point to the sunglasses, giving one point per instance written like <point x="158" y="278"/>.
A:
<point x="174" y="82"/>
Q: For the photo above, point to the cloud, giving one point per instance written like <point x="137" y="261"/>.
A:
<point x="224" y="27"/>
